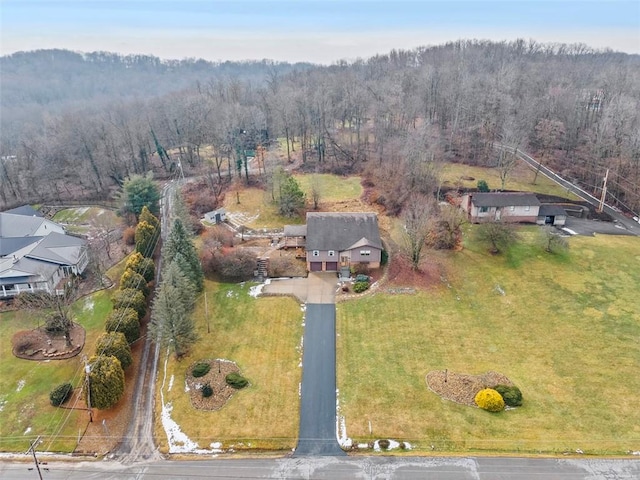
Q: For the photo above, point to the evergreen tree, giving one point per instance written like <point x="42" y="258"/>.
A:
<point x="179" y="242"/>
<point x="115" y="344"/>
<point x="131" y="279"/>
<point x="150" y="218"/>
<point x="106" y="382"/>
<point x="130" y="298"/>
<point x="146" y="238"/>
<point x="138" y="192"/>
<point x="124" y="320"/>
<point x="139" y="264"/>
<point x="170" y="319"/>
<point x="291" y="198"/>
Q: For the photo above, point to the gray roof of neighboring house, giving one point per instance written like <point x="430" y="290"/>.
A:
<point x="551" y="210"/>
<point x="12" y="225"/>
<point x="58" y="248"/>
<point x="26" y="268"/>
<point x="340" y="231"/>
<point x="295" y="230"/>
<point x="504" y="199"/>
<point x="26" y="210"/>
<point x="10" y="245"/>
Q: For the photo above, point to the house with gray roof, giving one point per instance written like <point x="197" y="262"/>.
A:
<point x="338" y="241"/>
<point x="36" y="254"/>
<point x="501" y="206"/>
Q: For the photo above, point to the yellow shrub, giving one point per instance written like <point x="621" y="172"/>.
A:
<point x="489" y="399"/>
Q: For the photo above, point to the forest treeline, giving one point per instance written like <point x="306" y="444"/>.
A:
<point x="76" y="125"/>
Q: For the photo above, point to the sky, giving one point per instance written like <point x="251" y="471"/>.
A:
<point x="306" y="30"/>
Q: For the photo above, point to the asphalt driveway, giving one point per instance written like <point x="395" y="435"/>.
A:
<point x="583" y="226"/>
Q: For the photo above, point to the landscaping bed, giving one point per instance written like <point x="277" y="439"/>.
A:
<point x="460" y="387"/>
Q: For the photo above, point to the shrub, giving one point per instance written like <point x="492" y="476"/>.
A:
<point x="489" y="399"/>
<point x="60" y="394"/>
<point x="384" y="257"/>
<point x="384" y="444"/>
<point x="115" y="344"/>
<point x="130" y="298"/>
<point x="129" y="235"/>
<point x="511" y="394"/>
<point x="235" y="266"/>
<point x="236" y="380"/>
<point x="200" y="369"/>
<point x="483" y="186"/>
<point x="360" y="287"/>
<point x="124" y="320"/>
<point x="131" y="279"/>
<point x="207" y="391"/>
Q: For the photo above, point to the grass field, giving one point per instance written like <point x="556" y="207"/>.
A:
<point x="520" y="179"/>
<point x="566" y="332"/>
<point x="333" y="188"/>
<point x="263" y="337"/>
<point x="25" y="385"/>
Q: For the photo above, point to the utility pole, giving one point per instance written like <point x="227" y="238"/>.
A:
<point x="87" y="371"/>
<point x="32" y="449"/>
<point x="604" y="192"/>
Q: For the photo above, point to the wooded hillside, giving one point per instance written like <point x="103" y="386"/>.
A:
<point x="76" y="125"/>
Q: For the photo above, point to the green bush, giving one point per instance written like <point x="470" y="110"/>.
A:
<point x="384" y="257"/>
<point x="510" y="393"/>
<point x="207" y="391"/>
<point x="236" y="380"/>
<point x="360" y="287"/>
<point x="124" y="320"/>
<point x="483" y="186"/>
<point x="489" y="399"/>
<point x="384" y="444"/>
<point x="200" y="369"/>
<point x="60" y="394"/>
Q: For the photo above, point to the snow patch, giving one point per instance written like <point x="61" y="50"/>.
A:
<point x="341" y="425"/>
<point x="21" y="385"/>
<point x="3" y="402"/>
<point x="170" y="384"/>
<point x="186" y="387"/>
<point x="232" y="294"/>
<point x="256" y="290"/>
<point x="27" y="431"/>
<point x="88" y="304"/>
<point x="569" y="231"/>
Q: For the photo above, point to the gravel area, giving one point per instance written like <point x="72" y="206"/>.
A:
<point x="460" y="387"/>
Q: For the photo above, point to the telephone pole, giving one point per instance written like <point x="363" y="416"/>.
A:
<point x="604" y="192"/>
<point x="32" y="449"/>
<point x="87" y="371"/>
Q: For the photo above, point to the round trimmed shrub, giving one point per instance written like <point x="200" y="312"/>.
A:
<point x="490" y="400"/>
<point x="60" y="394"/>
<point x="207" y="391"/>
<point x="236" y="380"/>
<point x="511" y="394"/>
<point x="130" y="298"/>
<point x="360" y="287"/>
<point x="124" y="320"/>
<point x="384" y="444"/>
<point x="200" y="369"/>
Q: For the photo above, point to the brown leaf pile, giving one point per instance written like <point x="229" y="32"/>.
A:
<point x="222" y="392"/>
<point x="460" y="387"/>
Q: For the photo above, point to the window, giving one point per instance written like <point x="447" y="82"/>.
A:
<point x="512" y="208"/>
<point x="484" y="209"/>
<point x="365" y="253"/>
<point x="332" y="253"/>
<point x="316" y="253"/>
<point x="527" y="208"/>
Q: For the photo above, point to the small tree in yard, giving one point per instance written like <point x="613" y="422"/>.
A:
<point x="115" y="344"/>
<point x="130" y="298"/>
<point x="551" y="241"/>
<point x="497" y="234"/>
<point x="417" y="215"/>
<point x="106" y="382"/>
<point x="146" y="238"/>
<point x="316" y="191"/>
<point x="483" y="186"/>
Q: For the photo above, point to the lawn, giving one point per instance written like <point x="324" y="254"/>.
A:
<point x="263" y="337"/>
<point x="520" y="179"/>
<point x="565" y="331"/>
<point x="332" y="188"/>
<point x="79" y="219"/>
<point x="25" y="385"/>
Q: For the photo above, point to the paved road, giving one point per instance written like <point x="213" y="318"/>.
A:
<point x="629" y="224"/>
<point x="318" y="403"/>
<point x="340" y="468"/>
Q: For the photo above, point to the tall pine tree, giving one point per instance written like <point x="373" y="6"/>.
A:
<point x="179" y="242"/>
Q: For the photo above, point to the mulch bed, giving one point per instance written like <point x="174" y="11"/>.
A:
<point x="462" y="388"/>
<point x="222" y="392"/>
<point x="39" y="345"/>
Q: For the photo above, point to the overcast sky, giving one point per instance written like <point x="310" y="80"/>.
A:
<point x="306" y="30"/>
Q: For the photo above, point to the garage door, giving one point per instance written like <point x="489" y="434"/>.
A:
<point x="332" y="266"/>
<point x="316" y="266"/>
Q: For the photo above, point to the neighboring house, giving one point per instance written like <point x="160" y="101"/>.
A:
<point x="551" y="215"/>
<point x="216" y="216"/>
<point x="509" y="207"/>
<point x="36" y="254"/>
<point x="337" y="241"/>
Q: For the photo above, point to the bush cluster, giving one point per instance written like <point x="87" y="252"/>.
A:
<point x="200" y="369"/>
<point x="236" y="380"/>
<point x="490" y="400"/>
<point x="60" y="394"/>
<point x="511" y="394"/>
<point x="360" y="287"/>
<point x="384" y="444"/>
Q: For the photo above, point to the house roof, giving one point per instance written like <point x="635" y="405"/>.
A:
<point x="550" y="210"/>
<point x="58" y="248"/>
<point x="13" y="225"/>
<point x="26" y="210"/>
<point x="504" y="199"/>
<point x="340" y="231"/>
<point x="295" y="230"/>
<point x="9" y="246"/>
<point x="25" y="268"/>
